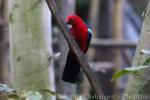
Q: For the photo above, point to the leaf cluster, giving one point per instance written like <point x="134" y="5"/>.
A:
<point x="132" y="70"/>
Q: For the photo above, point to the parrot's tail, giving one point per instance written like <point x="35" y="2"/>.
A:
<point x="72" y="69"/>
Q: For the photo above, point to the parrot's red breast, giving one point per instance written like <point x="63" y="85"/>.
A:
<point x="79" y="31"/>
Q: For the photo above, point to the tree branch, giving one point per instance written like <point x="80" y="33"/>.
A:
<point x="112" y="43"/>
<point x="74" y="47"/>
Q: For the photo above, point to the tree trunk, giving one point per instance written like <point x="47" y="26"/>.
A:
<point x="118" y="35"/>
<point x="30" y="55"/>
<point x="103" y="54"/>
<point x="4" y="66"/>
<point x="139" y="85"/>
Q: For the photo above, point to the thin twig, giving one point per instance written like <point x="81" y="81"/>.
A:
<point x="74" y="47"/>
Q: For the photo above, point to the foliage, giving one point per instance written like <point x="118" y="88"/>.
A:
<point x="8" y="93"/>
<point x="82" y="2"/>
<point x="82" y="9"/>
<point x="131" y="70"/>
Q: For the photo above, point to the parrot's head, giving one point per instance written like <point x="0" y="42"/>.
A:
<point x="74" y="20"/>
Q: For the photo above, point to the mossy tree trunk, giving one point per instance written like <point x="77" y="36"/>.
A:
<point x="139" y="85"/>
<point x="30" y="56"/>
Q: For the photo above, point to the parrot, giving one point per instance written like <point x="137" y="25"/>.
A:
<point x="82" y="35"/>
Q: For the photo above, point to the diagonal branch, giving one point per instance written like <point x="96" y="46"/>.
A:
<point x="74" y="47"/>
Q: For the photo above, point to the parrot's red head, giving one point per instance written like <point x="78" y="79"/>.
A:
<point x="74" y="20"/>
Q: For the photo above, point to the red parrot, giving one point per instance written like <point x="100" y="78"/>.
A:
<point x="82" y="35"/>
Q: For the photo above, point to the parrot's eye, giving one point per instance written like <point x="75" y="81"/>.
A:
<point x="71" y="20"/>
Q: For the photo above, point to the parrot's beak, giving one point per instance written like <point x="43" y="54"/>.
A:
<point x="67" y="22"/>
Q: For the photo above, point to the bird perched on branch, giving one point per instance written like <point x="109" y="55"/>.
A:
<point x="82" y="35"/>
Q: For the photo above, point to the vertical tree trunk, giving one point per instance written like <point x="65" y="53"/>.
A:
<point x="94" y="8"/>
<point x="139" y="85"/>
<point x="118" y="26"/>
<point x="93" y="15"/>
<point x="103" y="54"/>
<point x="118" y="34"/>
<point x="4" y="66"/>
<point x="30" y="55"/>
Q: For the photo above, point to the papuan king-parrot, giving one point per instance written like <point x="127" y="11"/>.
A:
<point x="82" y="35"/>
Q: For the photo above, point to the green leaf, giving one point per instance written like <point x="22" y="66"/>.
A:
<point x="12" y="96"/>
<point x="147" y="62"/>
<point x="129" y="70"/>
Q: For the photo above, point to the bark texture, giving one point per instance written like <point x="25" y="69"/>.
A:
<point x="139" y="85"/>
<point x="29" y="54"/>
